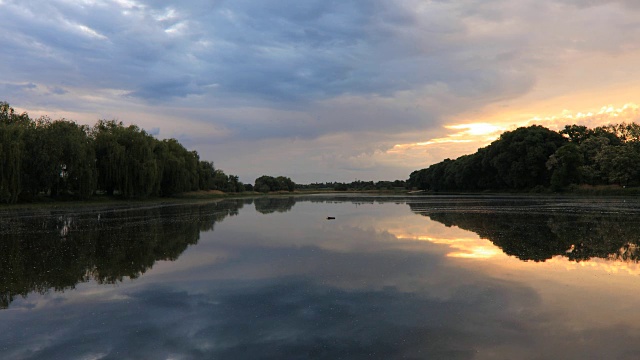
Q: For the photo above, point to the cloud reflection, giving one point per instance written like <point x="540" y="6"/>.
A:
<point x="278" y="318"/>
<point x="292" y="285"/>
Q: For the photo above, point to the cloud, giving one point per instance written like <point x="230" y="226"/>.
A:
<point x="312" y="70"/>
<point x="276" y="51"/>
<point x="154" y="131"/>
<point x="18" y="87"/>
<point x="58" y="90"/>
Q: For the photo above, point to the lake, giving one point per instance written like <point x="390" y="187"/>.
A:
<point x="422" y="277"/>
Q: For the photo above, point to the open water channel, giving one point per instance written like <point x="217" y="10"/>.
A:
<point x="438" y="277"/>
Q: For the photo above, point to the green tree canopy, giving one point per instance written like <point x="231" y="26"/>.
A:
<point x="267" y="183"/>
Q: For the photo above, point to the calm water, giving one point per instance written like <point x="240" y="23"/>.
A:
<point x="272" y="278"/>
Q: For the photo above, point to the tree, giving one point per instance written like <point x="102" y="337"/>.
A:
<point x="12" y="129"/>
<point x="72" y="169"/>
<point x="11" y="154"/>
<point x="285" y="184"/>
<point x="565" y="165"/>
<point x="125" y="159"/>
<point x="179" y="167"/>
<point x="590" y="171"/>
<point x="577" y="133"/>
<point x="520" y="156"/>
<point x="206" y="174"/>
<point x="620" y="164"/>
<point x="269" y="183"/>
<point x="234" y="184"/>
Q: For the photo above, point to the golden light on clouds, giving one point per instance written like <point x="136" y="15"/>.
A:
<point x="465" y="133"/>
<point x="609" y="266"/>
<point x="463" y="138"/>
<point x="605" y="115"/>
<point x="476" y="129"/>
<point x="482" y="249"/>
<point x="470" y="136"/>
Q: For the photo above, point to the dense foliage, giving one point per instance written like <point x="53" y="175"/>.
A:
<point x="266" y="184"/>
<point x="535" y="157"/>
<point x="63" y="159"/>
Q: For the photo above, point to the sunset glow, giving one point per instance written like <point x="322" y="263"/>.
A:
<point x="477" y="129"/>
<point x="468" y="248"/>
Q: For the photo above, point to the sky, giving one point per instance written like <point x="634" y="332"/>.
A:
<point x="324" y="90"/>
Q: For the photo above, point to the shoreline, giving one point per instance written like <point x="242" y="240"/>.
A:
<point x="205" y="196"/>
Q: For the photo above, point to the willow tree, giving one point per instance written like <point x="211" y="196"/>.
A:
<point x="10" y="161"/>
<point x="180" y="167"/>
<point x="125" y="159"/>
<point x="12" y="128"/>
<point x="206" y="175"/>
<point x="72" y="169"/>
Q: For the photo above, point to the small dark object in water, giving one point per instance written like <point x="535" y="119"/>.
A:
<point x="331" y="218"/>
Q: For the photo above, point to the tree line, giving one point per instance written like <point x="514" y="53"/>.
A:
<point x="357" y="185"/>
<point x="535" y="158"/>
<point x="61" y="158"/>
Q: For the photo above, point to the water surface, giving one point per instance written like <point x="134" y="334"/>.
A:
<point x="272" y="278"/>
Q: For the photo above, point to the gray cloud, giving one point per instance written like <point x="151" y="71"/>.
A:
<point x="279" y="51"/>
<point x="18" y="88"/>
<point x="297" y="69"/>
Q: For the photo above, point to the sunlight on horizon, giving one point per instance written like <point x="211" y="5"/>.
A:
<point x="465" y="138"/>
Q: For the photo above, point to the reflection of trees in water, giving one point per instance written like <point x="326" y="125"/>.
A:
<point x="268" y="205"/>
<point x="40" y="251"/>
<point x="538" y="237"/>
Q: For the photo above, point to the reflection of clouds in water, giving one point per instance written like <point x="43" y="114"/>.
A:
<point x="462" y="247"/>
<point x="599" y="266"/>
<point x="298" y="318"/>
<point x="308" y="288"/>
<point x="279" y="318"/>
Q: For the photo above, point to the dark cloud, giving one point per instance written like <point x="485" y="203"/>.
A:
<point x="283" y="51"/>
<point x="279" y="51"/>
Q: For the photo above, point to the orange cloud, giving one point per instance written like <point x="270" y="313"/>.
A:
<point x="607" y="114"/>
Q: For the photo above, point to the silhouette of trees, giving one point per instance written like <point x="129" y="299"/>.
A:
<point x="536" y="157"/>
<point x="63" y="159"/>
<point x="357" y="185"/>
<point x="267" y="183"/>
